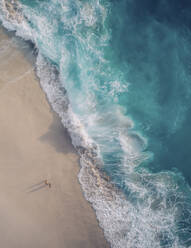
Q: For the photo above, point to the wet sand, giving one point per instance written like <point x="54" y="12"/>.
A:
<point x="34" y="147"/>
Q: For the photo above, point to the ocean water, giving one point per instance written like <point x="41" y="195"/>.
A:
<point x="119" y="75"/>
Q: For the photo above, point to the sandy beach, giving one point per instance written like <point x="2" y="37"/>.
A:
<point x="34" y="147"/>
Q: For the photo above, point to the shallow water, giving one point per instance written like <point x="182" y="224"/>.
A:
<point x="126" y="68"/>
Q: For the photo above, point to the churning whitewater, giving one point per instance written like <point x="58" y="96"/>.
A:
<point x="118" y="74"/>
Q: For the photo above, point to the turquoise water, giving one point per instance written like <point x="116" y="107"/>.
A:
<point x="126" y="67"/>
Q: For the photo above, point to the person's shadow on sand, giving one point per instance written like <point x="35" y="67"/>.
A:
<point x="38" y="186"/>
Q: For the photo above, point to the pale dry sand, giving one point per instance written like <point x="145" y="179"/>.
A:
<point x="33" y="147"/>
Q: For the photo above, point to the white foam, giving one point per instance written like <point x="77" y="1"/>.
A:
<point x="18" y="23"/>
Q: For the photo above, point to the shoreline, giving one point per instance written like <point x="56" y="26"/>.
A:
<point x="34" y="147"/>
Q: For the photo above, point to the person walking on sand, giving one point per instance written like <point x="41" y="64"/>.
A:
<point x="47" y="183"/>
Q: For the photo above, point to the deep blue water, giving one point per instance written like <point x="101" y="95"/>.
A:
<point x="126" y="67"/>
<point x="154" y="41"/>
